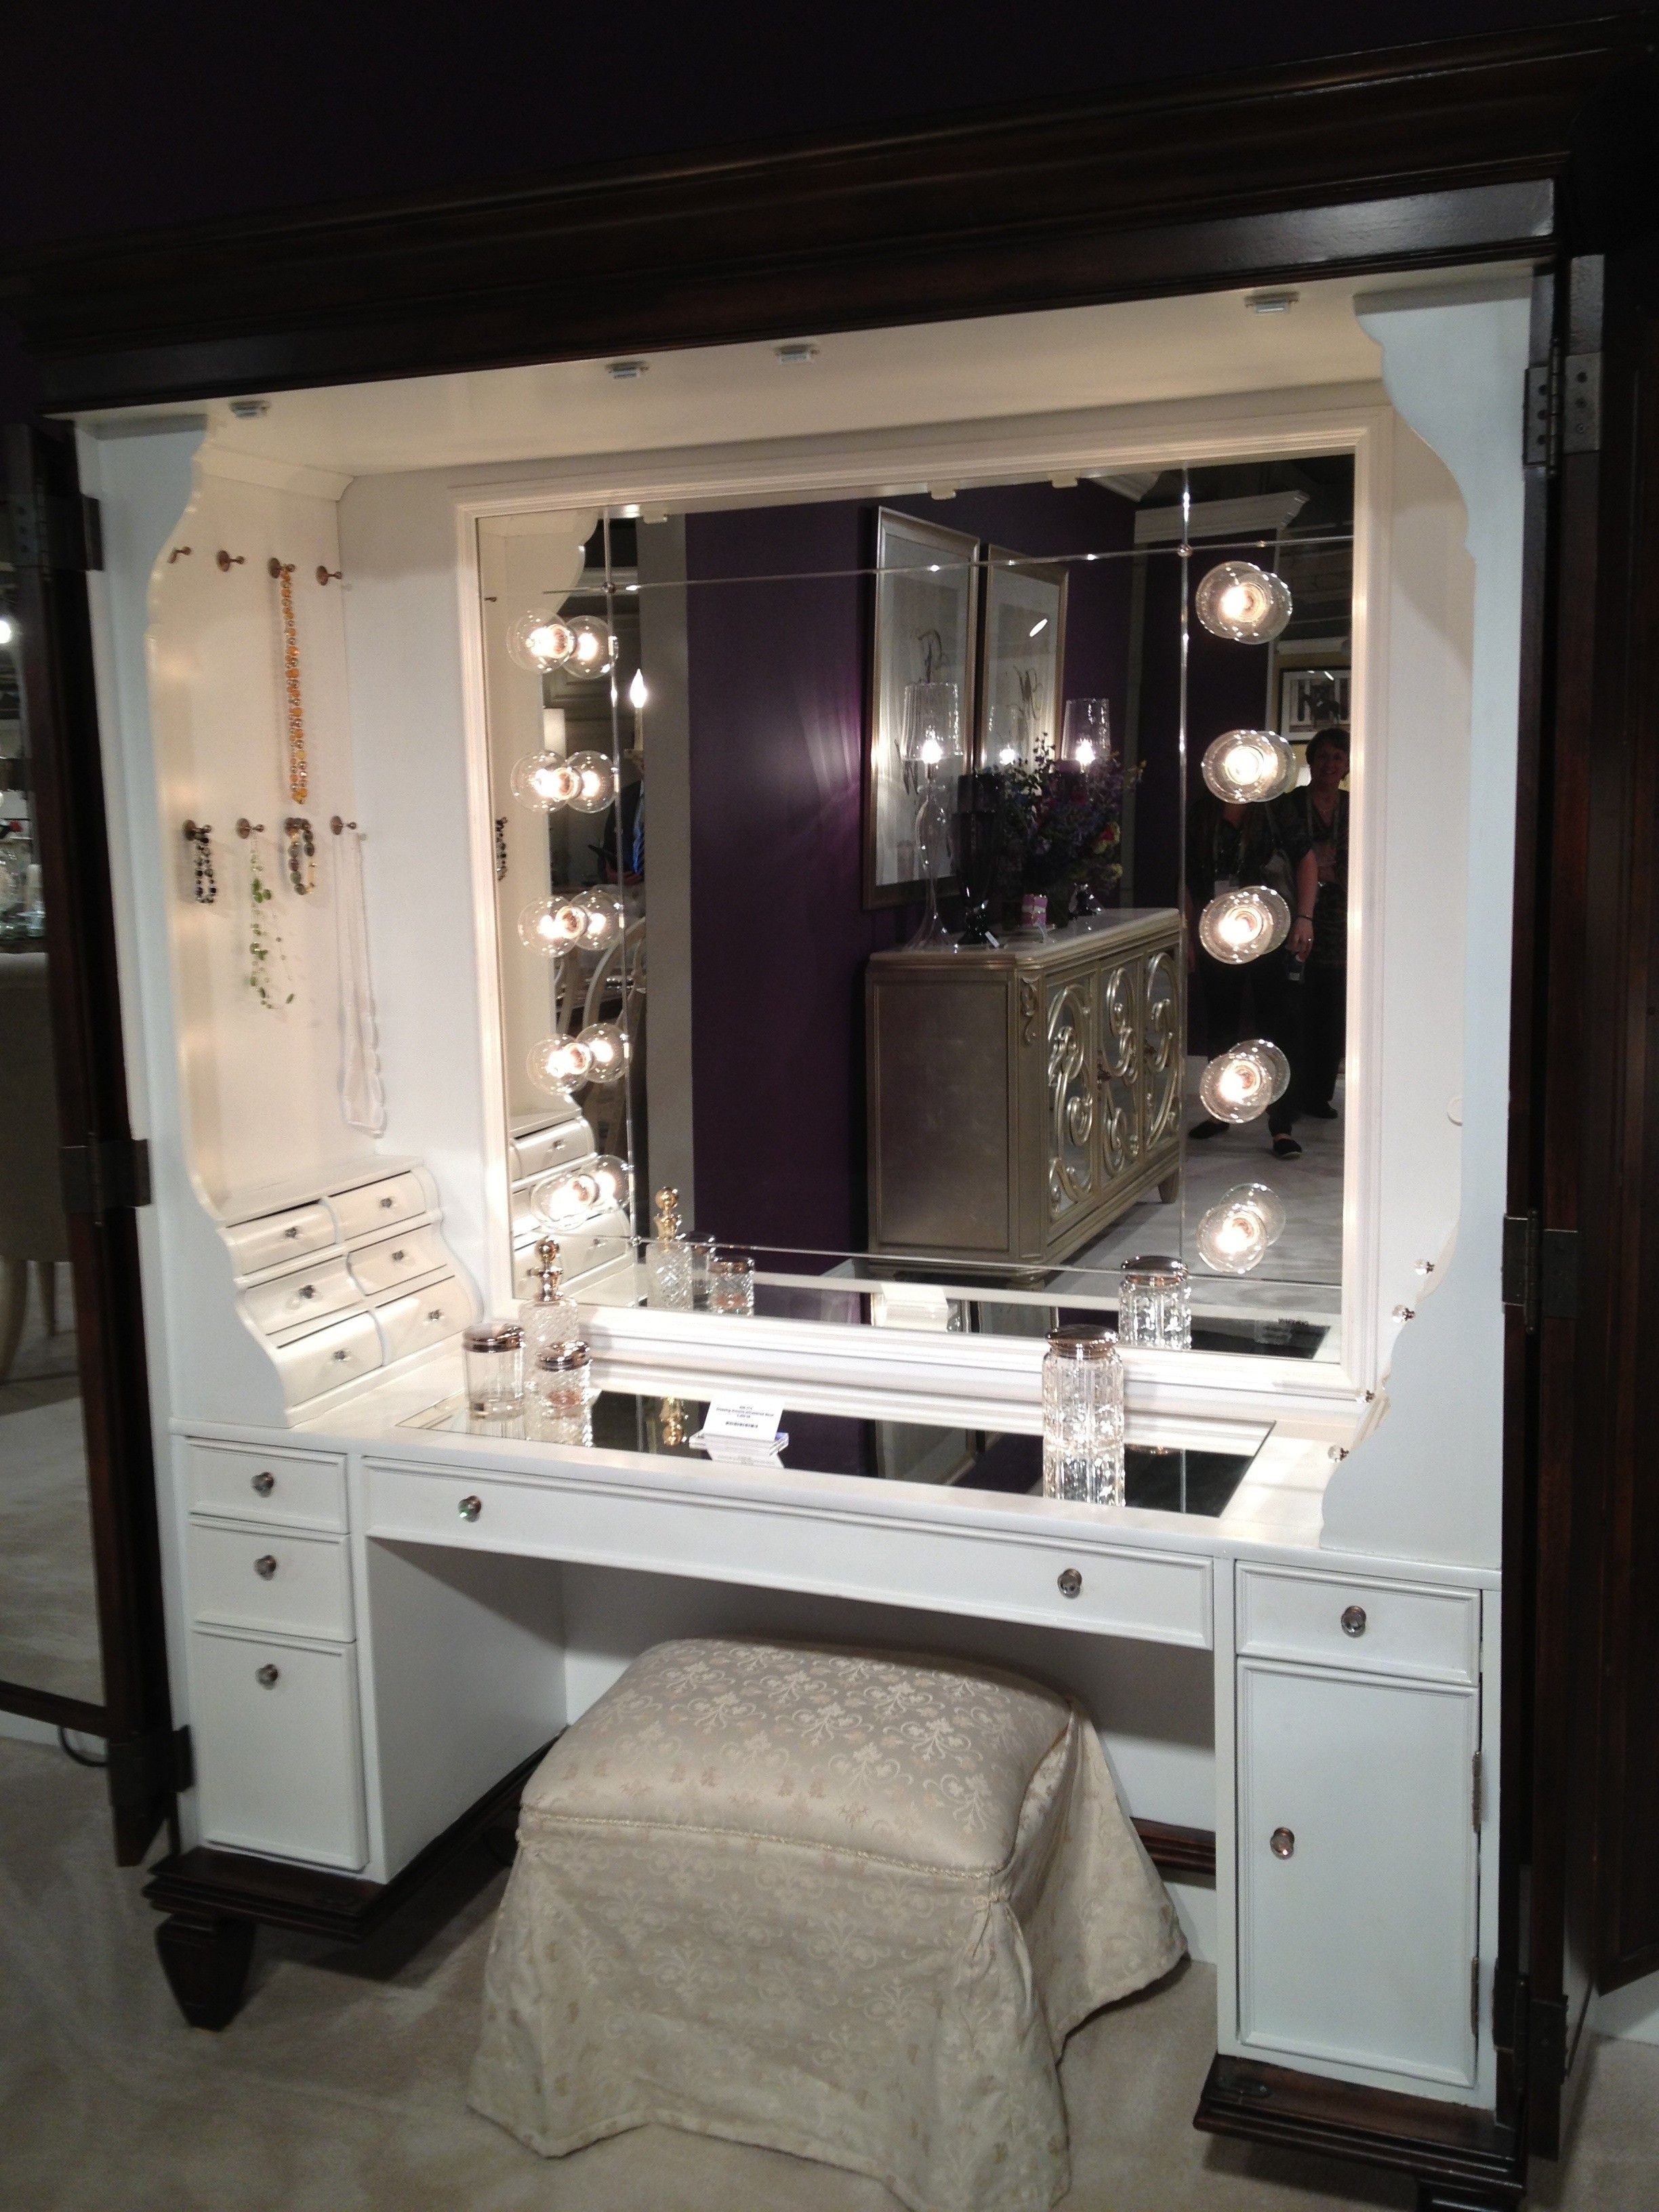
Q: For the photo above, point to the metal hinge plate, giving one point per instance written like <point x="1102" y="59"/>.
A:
<point x="104" y="1174"/>
<point x="1581" y="404"/>
<point x="1509" y="2012"/>
<point x="143" y="1767"/>
<point x="1538" y="432"/>
<point x="46" y="530"/>
<point x="1539" y="1270"/>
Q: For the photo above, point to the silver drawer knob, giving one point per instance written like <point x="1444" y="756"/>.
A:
<point x="436" y="1314"/>
<point x="265" y="1565"/>
<point x="1281" y="1842"/>
<point x="343" y="1353"/>
<point x="307" y="1291"/>
<point x="1071" y="1583"/>
<point x="266" y="1675"/>
<point x="469" y="1508"/>
<point x="1354" y="1620"/>
<point x="263" y="1484"/>
<point x="397" y="1256"/>
<point x="388" y="1203"/>
<point x="293" y="1231"/>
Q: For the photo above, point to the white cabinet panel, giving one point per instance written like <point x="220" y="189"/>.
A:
<point x="270" y="1578"/>
<point x="275" y="1730"/>
<point x="1357" y="1870"/>
<point x="1374" y="1627"/>
<point x="243" y="1482"/>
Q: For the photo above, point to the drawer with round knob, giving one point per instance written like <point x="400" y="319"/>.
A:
<point x="279" y="1756"/>
<point x="271" y="1239"/>
<point x="326" y="1357"/>
<point x="401" y="1258"/>
<point x="301" y="1300"/>
<point x="270" y="1578"/>
<point x="425" y="1317"/>
<point x="244" y="1482"/>
<point x="376" y="1206"/>
<point x="1371" y="1627"/>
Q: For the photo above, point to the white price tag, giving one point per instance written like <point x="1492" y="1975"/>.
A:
<point x="742" y="1420"/>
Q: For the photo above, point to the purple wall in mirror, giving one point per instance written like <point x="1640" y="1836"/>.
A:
<point x="778" y="672"/>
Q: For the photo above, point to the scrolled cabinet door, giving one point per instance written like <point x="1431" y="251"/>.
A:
<point x="1357" y="1871"/>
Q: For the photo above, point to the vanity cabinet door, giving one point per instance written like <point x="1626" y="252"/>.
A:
<point x="1356" y="1871"/>
<point x="278" y="1762"/>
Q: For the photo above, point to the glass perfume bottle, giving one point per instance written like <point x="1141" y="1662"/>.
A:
<point x="548" y="1317"/>
<point x="1083" y="1417"/>
<point x="670" y="1263"/>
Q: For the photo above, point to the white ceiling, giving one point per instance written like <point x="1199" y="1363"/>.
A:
<point x="1007" y="365"/>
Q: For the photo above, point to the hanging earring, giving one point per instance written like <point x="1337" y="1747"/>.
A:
<point x="198" y="835"/>
<point x="301" y="855"/>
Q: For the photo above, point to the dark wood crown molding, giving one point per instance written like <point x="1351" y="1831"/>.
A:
<point x="1449" y="151"/>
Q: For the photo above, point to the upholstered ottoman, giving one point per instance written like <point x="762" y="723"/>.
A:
<point x="846" y="1904"/>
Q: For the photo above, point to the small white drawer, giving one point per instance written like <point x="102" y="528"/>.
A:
<point x="310" y="1365"/>
<point x="397" y="1260"/>
<point x="424" y="1317"/>
<point x="542" y="1150"/>
<point x="275" y="1237"/>
<point x="281" y="1581"/>
<point x="1373" y="1627"/>
<point x="274" y="1728"/>
<point x="297" y="1490"/>
<point x="374" y="1206"/>
<point x="301" y="1299"/>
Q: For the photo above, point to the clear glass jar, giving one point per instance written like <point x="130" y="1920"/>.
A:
<point x="731" y="1283"/>
<point x="1083" y="1417"/>
<point x="701" y="1250"/>
<point x="1155" y="1304"/>
<point x="563" y="1379"/>
<point x="494" y="1354"/>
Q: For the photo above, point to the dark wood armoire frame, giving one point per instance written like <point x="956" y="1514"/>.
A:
<point x="1535" y="148"/>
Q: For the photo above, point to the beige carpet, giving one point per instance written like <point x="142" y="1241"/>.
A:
<point x="340" y="2088"/>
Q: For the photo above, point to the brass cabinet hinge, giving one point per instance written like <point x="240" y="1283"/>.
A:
<point x="103" y="1174"/>
<point x="47" y="529"/>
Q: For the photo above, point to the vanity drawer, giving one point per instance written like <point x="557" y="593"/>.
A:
<point x="291" y="1584"/>
<point x="328" y="1356"/>
<point x="275" y="1237"/>
<point x="1165" y="1597"/>
<point x="397" y="1260"/>
<point x="288" y="1489"/>
<point x="1371" y="1627"/>
<point x="294" y="1301"/>
<point x="424" y="1317"/>
<point x="542" y="1150"/>
<point x="374" y="1206"/>
<point x="274" y="1730"/>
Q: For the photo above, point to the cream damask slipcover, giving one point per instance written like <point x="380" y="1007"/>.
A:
<point x="846" y="1904"/>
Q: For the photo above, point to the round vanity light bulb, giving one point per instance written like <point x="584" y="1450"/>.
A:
<point x="1239" y="1084"/>
<point x="1264" y="1202"/>
<point x="8" y="629"/>
<point x="593" y="648"/>
<point x="1242" y="924"/>
<point x="613" y="1180"/>
<point x="552" y="925"/>
<point x="1240" y="601"/>
<point x="595" y="782"/>
<point x="539" y="640"/>
<point x="546" y="781"/>
<point x="1233" y="1237"/>
<point x="1246" y="765"/>
<point x="567" y="1200"/>
<point x="605" y="917"/>
<point x="607" y="1048"/>
<point x="558" y="1063"/>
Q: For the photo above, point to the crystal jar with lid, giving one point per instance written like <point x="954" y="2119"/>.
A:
<point x="1083" y="1417"/>
<point x="1155" y="1304"/>
<point x="494" y="1354"/>
<point x="563" y="1377"/>
<point x="731" y="1283"/>
<point x="547" y="1317"/>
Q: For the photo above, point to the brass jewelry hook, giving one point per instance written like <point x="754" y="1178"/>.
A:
<point x="337" y="825"/>
<point x="176" y="552"/>
<point x="324" y="573"/>
<point x="279" y="567"/>
<point x="229" y="561"/>
<point x="246" y="829"/>
<point x="194" y="830"/>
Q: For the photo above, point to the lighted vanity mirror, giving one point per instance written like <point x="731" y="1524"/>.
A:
<point x="943" y="896"/>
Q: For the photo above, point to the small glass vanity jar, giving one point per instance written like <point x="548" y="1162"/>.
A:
<point x="564" y="1378"/>
<point x="1083" y="1417"/>
<point x="494" y="1353"/>
<point x="1155" y="1304"/>
<point x="731" y="1283"/>
<point x="700" y="1251"/>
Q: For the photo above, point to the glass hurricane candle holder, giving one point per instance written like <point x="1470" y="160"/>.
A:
<point x="731" y="1283"/>
<point x="493" y="1356"/>
<point x="1247" y="605"/>
<point x="1155" y="1304"/>
<point x="1083" y="1417"/>
<point x="1086" y="740"/>
<point x="1244" y="765"/>
<point x="1242" y="1082"/>
<point x="1240" y="926"/>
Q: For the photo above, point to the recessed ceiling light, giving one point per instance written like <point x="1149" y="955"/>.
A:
<point x="941" y="491"/>
<point x="1271" y="303"/>
<point x="249" y="410"/>
<point x="796" y="353"/>
<point x="626" y="372"/>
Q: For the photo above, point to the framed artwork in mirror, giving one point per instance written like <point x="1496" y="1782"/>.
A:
<point x="1312" y="695"/>
<point x="925" y="631"/>
<point x="1023" y="659"/>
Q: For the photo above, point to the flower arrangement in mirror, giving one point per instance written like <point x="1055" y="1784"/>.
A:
<point x="1058" y="834"/>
